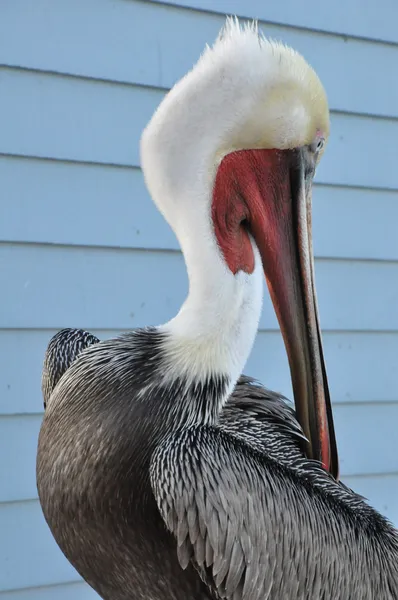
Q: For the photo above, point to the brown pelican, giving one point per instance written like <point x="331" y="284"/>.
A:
<point x="156" y="482"/>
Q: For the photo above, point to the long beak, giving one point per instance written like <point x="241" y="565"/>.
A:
<point x="282" y="230"/>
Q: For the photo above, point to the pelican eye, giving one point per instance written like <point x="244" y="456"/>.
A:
<point x="319" y="144"/>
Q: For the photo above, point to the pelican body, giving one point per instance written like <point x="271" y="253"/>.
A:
<point x="162" y="472"/>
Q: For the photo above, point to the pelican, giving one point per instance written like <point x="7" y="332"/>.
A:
<point x="164" y="474"/>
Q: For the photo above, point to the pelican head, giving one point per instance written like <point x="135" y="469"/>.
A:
<point x="229" y="158"/>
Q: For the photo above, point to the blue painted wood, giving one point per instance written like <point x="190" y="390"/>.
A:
<point x="361" y="366"/>
<point x="81" y="204"/>
<point x="360" y="453"/>
<point x="67" y="591"/>
<point x="155" y="45"/>
<point x="349" y="158"/>
<point x="29" y="556"/>
<point x="83" y="120"/>
<point x="355" y="223"/>
<point x="55" y="287"/>
<point x="77" y="204"/>
<point x="380" y="491"/>
<point x="109" y="289"/>
<point x="18" y="443"/>
<point x="73" y="119"/>
<point x="354" y="17"/>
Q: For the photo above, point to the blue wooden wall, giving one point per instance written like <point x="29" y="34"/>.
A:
<point x="82" y="245"/>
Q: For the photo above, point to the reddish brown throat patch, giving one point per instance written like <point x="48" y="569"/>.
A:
<point x="250" y="186"/>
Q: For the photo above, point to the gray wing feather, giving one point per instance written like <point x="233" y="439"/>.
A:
<point x="257" y="530"/>
<point x="265" y="420"/>
<point x="223" y="511"/>
<point x="63" y="349"/>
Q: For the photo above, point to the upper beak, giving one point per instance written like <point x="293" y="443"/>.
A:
<point x="282" y="230"/>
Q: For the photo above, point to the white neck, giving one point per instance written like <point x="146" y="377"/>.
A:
<point x="181" y="148"/>
<point x="214" y="331"/>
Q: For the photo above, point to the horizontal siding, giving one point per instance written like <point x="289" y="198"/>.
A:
<point x="119" y="289"/>
<point x="66" y="591"/>
<point x="80" y="204"/>
<point x="30" y="557"/>
<point x="362" y="18"/>
<point x="361" y="366"/>
<point x="155" y="45"/>
<point x="380" y="491"/>
<point x="101" y="122"/>
<point x="18" y="441"/>
<point x="355" y="374"/>
<point x="354" y="424"/>
<point x="32" y="544"/>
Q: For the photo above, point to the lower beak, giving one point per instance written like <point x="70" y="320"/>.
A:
<point x="282" y="231"/>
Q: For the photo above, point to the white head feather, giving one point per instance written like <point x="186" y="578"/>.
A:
<point x="244" y="92"/>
